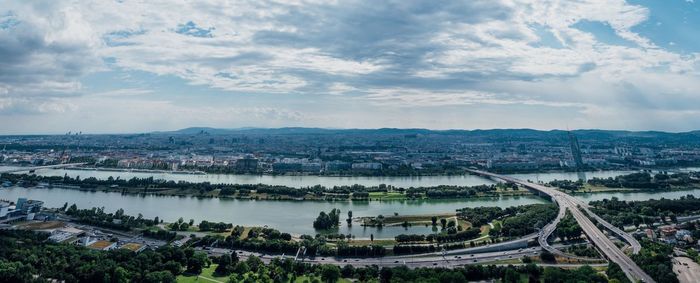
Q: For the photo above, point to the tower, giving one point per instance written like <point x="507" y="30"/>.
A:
<point x="576" y="151"/>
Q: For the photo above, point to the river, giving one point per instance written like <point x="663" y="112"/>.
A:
<point x="296" y="216"/>
<point x="328" y="181"/>
<point x="288" y="216"/>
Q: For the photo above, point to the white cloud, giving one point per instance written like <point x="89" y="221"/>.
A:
<point x="391" y="54"/>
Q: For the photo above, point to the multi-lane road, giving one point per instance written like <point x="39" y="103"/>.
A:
<point x="597" y="237"/>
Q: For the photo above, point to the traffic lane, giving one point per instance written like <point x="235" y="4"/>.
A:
<point x="609" y="248"/>
<point x="434" y="261"/>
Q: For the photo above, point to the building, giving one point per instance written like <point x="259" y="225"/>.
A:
<point x="311" y="167"/>
<point x="24" y="208"/>
<point x="134" y="247"/>
<point x="576" y="151"/>
<point x="247" y="164"/>
<point x="66" y="235"/>
<point x="29" y="206"/>
<point x="284" y="167"/>
<point x="102" y="245"/>
<point x="650" y="234"/>
<point x="337" y="165"/>
<point x="4" y="208"/>
<point x="684" y="235"/>
<point x="367" y="166"/>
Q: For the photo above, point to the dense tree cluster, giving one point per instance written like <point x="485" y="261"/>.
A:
<point x="28" y="257"/>
<point x="328" y="220"/>
<point x="404" y="238"/>
<point x="568" y="228"/>
<point x="567" y="184"/>
<point x="452" y="191"/>
<point x="582" y="250"/>
<point x="615" y="272"/>
<point x="344" y="249"/>
<point x="518" y="221"/>
<point x="620" y="213"/>
<point x="526" y="220"/>
<point x="354" y="192"/>
<point x="645" y="180"/>
<point x="160" y="234"/>
<point x="117" y="220"/>
<point x="479" y="216"/>
<point x="655" y="260"/>
<point x="216" y="227"/>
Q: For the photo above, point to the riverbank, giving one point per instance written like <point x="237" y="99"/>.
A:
<point x="253" y="195"/>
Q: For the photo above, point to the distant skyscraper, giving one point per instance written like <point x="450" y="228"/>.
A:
<point x="576" y="151"/>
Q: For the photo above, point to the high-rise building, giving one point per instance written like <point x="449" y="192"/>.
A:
<point x="576" y="151"/>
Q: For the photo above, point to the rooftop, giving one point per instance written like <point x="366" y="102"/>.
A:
<point x="100" y="245"/>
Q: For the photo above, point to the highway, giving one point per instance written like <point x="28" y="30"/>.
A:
<point x="595" y="235"/>
<point x="447" y="261"/>
<point x="34" y="168"/>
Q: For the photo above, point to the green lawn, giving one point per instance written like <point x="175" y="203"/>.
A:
<point x="387" y="195"/>
<point x="207" y="273"/>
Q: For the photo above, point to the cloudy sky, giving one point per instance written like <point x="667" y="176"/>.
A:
<point x="134" y="66"/>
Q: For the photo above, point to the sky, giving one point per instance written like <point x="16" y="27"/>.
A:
<point x="137" y="66"/>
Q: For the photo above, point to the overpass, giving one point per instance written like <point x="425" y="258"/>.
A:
<point x="31" y="169"/>
<point x="597" y="237"/>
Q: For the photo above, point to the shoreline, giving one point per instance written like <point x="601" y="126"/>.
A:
<point x="274" y="198"/>
<point x="300" y="174"/>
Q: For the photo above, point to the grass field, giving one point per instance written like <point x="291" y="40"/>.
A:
<point x="206" y="276"/>
<point x="387" y="195"/>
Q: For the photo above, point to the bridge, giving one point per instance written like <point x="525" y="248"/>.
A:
<point x="32" y="169"/>
<point x="597" y="237"/>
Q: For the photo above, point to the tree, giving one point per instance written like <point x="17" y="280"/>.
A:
<point x="511" y="276"/>
<point x="371" y="237"/>
<point x="72" y="209"/>
<point x="443" y="223"/>
<point x="241" y="268"/>
<point x="159" y="277"/>
<point x="330" y="273"/>
<point x="225" y="266"/>
<point x="197" y="262"/>
<point x="546" y="256"/>
<point x="327" y="221"/>
<point x="434" y="220"/>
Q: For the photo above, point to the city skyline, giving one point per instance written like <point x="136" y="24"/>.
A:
<point x="125" y="67"/>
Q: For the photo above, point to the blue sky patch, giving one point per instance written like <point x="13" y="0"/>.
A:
<point x="603" y="32"/>
<point x="191" y="29"/>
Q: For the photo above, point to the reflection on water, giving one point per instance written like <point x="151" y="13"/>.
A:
<point x="581" y="176"/>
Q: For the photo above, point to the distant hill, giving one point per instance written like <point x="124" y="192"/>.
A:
<point x="519" y="134"/>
